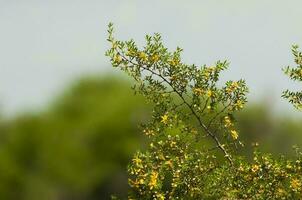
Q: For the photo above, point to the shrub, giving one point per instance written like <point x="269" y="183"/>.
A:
<point x="193" y="141"/>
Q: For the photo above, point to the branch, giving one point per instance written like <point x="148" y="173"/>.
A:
<point x="205" y="128"/>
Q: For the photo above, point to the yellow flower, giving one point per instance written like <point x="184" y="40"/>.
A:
<point x="211" y="69"/>
<point x="149" y="132"/>
<point x="255" y="168"/>
<point x="239" y="104"/>
<point x="141" y="181"/>
<point x="164" y="119"/>
<point x="227" y="122"/>
<point x="209" y="93"/>
<point x="241" y="168"/>
<point x="280" y="192"/>
<point x="172" y="144"/>
<point x="160" y="196"/>
<point x="234" y="134"/>
<point x="137" y="161"/>
<point x="174" y="62"/>
<point x="295" y="184"/>
<point x="197" y="91"/>
<point x="174" y="185"/>
<point x="234" y="84"/>
<point x="136" y="182"/>
<point x="207" y="75"/>
<point x="143" y="56"/>
<point x="169" y="163"/>
<point x="130" y="53"/>
<point x="288" y="166"/>
<point x="153" y="179"/>
<point x="118" y="58"/>
<point x="154" y="57"/>
<point x="229" y="90"/>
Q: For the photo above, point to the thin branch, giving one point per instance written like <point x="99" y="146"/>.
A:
<point x="217" y="114"/>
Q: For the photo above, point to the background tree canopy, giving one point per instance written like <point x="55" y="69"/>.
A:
<point x="77" y="148"/>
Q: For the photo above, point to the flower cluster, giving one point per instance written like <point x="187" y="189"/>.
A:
<point x="264" y="178"/>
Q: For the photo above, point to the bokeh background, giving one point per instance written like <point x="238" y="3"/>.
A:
<point x="69" y="122"/>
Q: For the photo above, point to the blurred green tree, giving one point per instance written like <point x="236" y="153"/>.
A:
<point x="77" y="149"/>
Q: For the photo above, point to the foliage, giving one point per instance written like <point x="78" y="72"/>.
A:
<point x="295" y="74"/>
<point x="170" y="84"/>
<point x="73" y="149"/>
<point x="193" y="117"/>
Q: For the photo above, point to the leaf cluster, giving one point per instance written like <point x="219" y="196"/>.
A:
<point x="295" y="74"/>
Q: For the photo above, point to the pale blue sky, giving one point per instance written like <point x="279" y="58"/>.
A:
<point x="46" y="44"/>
